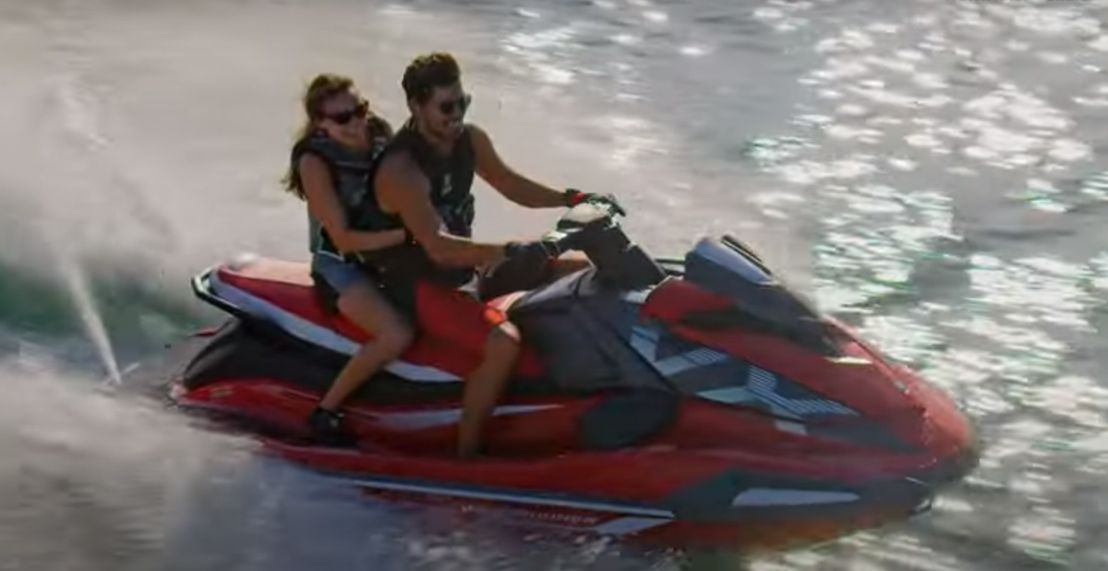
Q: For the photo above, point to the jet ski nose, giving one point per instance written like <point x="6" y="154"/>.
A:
<point x="946" y="426"/>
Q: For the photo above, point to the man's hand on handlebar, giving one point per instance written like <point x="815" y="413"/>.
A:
<point x="530" y="254"/>
<point x="575" y="197"/>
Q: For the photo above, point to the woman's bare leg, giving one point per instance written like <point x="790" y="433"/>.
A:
<point x="371" y="311"/>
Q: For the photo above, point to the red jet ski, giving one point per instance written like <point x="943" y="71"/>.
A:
<point x="686" y="402"/>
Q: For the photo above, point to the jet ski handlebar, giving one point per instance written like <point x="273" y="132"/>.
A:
<point x="593" y="228"/>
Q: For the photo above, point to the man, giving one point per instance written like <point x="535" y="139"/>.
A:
<point x="424" y="182"/>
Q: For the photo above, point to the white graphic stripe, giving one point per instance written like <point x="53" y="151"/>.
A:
<point x="513" y="498"/>
<point x="318" y="335"/>
<point x="645" y="341"/>
<point x="762" y="497"/>
<point x="431" y="418"/>
<point x="629" y="525"/>
<point x="762" y="386"/>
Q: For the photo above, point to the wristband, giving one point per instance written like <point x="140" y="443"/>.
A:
<point x="574" y="197"/>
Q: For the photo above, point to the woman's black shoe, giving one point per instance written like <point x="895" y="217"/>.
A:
<point x="326" y="427"/>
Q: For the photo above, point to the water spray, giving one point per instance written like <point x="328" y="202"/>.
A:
<point x="75" y="282"/>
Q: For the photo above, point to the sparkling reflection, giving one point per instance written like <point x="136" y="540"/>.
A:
<point x="955" y="208"/>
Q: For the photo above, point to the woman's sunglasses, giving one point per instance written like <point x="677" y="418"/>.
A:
<point x="461" y="103"/>
<point x="344" y="117"/>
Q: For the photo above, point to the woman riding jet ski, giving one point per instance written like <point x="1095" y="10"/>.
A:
<point x="695" y="401"/>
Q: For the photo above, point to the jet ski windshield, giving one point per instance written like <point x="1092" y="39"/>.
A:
<point x="728" y="267"/>
<point x="731" y="256"/>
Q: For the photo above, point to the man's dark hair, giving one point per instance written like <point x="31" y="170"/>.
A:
<point x="426" y="72"/>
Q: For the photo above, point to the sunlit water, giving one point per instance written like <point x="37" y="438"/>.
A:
<point x="929" y="171"/>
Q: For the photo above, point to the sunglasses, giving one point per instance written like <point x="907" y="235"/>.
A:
<point x="461" y="103"/>
<point x="344" y="117"/>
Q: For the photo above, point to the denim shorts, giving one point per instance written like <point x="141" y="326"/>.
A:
<point x="340" y="274"/>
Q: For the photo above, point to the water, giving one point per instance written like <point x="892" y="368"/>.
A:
<point x="930" y="171"/>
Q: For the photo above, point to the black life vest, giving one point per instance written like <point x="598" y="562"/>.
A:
<point x="451" y="182"/>
<point x="350" y="172"/>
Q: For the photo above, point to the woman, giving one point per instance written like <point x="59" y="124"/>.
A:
<point x="330" y="166"/>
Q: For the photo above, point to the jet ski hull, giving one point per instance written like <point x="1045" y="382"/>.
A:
<point x="695" y="475"/>
<point x="696" y="403"/>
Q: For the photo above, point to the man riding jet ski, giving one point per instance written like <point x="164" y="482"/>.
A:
<point x="694" y="401"/>
<point x="385" y="217"/>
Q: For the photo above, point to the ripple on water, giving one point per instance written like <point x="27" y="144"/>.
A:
<point x="1096" y="186"/>
<point x="1010" y="327"/>
<point x="545" y="52"/>
<point x="1100" y="271"/>
<point x="1048" y="288"/>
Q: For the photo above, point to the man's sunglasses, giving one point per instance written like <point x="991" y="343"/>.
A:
<point x="344" y="117"/>
<point x="462" y="103"/>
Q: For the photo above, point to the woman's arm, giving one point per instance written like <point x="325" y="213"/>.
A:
<point x="324" y="205"/>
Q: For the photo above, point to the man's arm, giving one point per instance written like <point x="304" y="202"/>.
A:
<point x="402" y="189"/>
<point x="514" y="186"/>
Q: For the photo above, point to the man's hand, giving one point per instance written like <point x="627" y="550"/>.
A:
<point x="575" y="197"/>
<point x="530" y="254"/>
<point x="525" y="266"/>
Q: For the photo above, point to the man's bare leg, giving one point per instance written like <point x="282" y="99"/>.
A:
<point x="568" y="263"/>
<point x="485" y="385"/>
